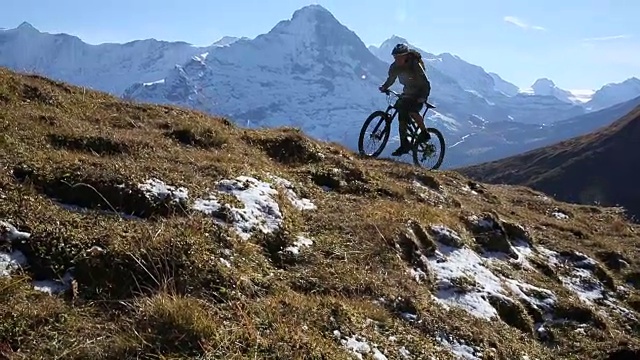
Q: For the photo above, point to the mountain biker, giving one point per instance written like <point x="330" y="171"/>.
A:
<point x="409" y="69"/>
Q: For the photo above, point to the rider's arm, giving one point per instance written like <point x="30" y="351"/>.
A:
<point x="391" y="77"/>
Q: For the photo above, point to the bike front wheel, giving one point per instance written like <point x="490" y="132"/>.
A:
<point x="380" y="131"/>
<point x="431" y="151"/>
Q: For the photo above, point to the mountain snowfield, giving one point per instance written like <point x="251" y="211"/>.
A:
<point x="310" y="72"/>
<point x="106" y="67"/>
<point x="289" y="76"/>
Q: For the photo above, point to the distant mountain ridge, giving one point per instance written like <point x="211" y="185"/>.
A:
<point x="108" y="67"/>
<point x="505" y="139"/>
<point x="592" y="100"/>
<point x="598" y="167"/>
<point x="613" y="93"/>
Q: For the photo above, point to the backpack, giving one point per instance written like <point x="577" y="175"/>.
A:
<point x="417" y="57"/>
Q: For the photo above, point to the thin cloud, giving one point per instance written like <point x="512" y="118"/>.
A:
<point x="522" y="23"/>
<point x="607" y="38"/>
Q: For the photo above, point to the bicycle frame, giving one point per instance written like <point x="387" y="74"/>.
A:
<point x="412" y="126"/>
<point x="425" y="149"/>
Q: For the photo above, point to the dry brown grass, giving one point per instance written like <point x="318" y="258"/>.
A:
<point x="160" y="290"/>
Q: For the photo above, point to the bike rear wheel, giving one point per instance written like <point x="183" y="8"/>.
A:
<point x="380" y="131"/>
<point x="433" y="149"/>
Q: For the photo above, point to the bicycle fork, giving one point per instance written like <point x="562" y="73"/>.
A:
<point x="387" y="121"/>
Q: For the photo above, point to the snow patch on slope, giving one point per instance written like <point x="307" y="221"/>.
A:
<point x="464" y="279"/>
<point x="15" y="260"/>
<point x="258" y="209"/>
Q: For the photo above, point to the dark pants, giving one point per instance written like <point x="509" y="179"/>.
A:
<point x="406" y="105"/>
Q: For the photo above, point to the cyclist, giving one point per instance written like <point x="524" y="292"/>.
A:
<point x="408" y="67"/>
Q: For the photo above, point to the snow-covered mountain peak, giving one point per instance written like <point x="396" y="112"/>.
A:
<point x="543" y="84"/>
<point x="304" y="20"/>
<point x="614" y="93"/>
<point x="546" y="87"/>
<point x="393" y="41"/>
<point x="311" y="38"/>
<point x="308" y="65"/>
<point x="449" y="57"/>
<point x="228" y="40"/>
<point x="632" y="82"/>
<point x="25" y="26"/>
<point x="307" y="20"/>
<point x="608" y="95"/>
<point x="312" y="12"/>
<point x="23" y="31"/>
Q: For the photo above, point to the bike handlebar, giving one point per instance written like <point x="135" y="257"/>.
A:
<point x="389" y="91"/>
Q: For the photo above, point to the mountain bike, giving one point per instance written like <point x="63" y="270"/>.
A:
<point x="421" y="150"/>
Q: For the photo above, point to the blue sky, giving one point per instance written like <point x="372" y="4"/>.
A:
<point x="578" y="44"/>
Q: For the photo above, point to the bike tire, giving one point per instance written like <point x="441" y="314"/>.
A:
<point x="417" y="151"/>
<point x="386" y="131"/>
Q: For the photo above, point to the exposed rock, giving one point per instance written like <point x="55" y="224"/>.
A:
<point x="512" y="313"/>
<point x="446" y="236"/>
<point x="613" y="260"/>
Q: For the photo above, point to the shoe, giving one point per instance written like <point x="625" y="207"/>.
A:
<point x="401" y="151"/>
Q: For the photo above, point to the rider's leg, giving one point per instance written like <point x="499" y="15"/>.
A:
<point x="403" y="124"/>
<point x="415" y="115"/>
<point x="403" y="128"/>
<point x="419" y="120"/>
<point x="424" y="135"/>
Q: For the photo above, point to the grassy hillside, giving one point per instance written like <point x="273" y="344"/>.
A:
<point x="139" y="231"/>
<point x="599" y="167"/>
